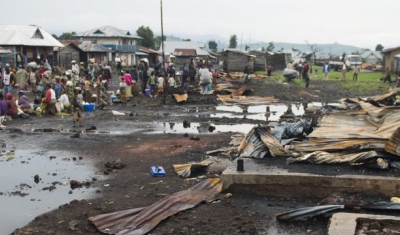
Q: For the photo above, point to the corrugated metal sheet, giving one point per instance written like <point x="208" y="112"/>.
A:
<point x="321" y="157"/>
<point x="24" y="35"/>
<point x="379" y="98"/>
<point x="185" y="52"/>
<point x="333" y="144"/>
<point x="184" y="170"/>
<point x="393" y="145"/>
<point x="377" y="111"/>
<point x="93" y="47"/>
<point x="342" y="125"/>
<point x="143" y="220"/>
<point x="252" y="146"/>
<point x="107" y="31"/>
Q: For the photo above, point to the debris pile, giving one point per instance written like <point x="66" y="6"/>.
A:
<point x="356" y="132"/>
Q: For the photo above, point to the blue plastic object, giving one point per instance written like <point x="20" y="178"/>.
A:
<point x="88" y="107"/>
<point x="157" y="171"/>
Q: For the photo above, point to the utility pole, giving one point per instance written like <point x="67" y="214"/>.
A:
<point x="241" y="41"/>
<point x="163" y="53"/>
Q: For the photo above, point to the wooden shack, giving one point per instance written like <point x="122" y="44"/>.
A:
<point x="67" y="54"/>
<point x="278" y="60"/>
<point x="259" y="60"/>
<point x="235" y="61"/>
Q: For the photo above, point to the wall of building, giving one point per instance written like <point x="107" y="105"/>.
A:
<point x="66" y="55"/>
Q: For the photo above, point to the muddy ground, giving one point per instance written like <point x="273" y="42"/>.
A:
<point x="124" y="138"/>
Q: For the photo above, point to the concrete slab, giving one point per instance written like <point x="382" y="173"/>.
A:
<point x="269" y="180"/>
<point x="346" y="223"/>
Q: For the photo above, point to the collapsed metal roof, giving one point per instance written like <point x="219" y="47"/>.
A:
<point x="369" y="131"/>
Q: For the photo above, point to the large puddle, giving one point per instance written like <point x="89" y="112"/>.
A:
<point x="257" y="112"/>
<point x="22" y="198"/>
<point x="196" y="128"/>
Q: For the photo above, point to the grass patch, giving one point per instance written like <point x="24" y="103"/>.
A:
<point x="367" y="82"/>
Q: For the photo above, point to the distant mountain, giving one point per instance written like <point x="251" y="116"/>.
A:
<point x="333" y="48"/>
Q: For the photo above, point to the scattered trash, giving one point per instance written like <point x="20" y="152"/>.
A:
<point x="117" y="113"/>
<point x="157" y="171"/>
<point x="180" y="98"/>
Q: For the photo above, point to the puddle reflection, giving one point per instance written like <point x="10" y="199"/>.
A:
<point x="22" y="199"/>
<point x="197" y="128"/>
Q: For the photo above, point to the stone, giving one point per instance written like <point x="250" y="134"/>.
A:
<point x="73" y="224"/>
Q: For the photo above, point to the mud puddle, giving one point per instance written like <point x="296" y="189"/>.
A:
<point x="196" y="128"/>
<point x="33" y="183"/>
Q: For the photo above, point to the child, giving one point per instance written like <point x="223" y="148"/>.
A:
<point x="152" y="83"/>
<point x="122" y="91"/>
<point x="160" y="82"/>
<point x="77" y="107"/>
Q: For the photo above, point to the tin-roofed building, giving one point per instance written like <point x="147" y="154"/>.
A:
<point x="122" y="42"/>
<point x="27" y="41"/>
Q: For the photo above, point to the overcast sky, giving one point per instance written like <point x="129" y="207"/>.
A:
<point x="362" y="23"/>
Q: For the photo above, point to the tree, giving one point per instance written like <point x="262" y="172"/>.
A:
<point x="212" y="45"/>
<point x="233" y="41"/>
<point x="54" y="36"/>
<point x="379" y="47"/>
<point x="187" y="40"/>
<point x="314" y="50"/>
<point x="148" y="37"/>
<point x="355" y="53"/>
<point x="262" y="49"/>
<point x="270" y="47"/>
<point x="67" y="36"/>
<point x="247" y="47"/>
<point x="157" y="42"/>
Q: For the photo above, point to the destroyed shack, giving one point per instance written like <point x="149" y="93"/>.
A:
<point x="235" y="60"/>
<point x="183" y="56"/>
<point x="259" y="60"/>
<point x="278" y="60"/>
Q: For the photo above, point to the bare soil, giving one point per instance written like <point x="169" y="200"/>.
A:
<point x="133" y="186"/>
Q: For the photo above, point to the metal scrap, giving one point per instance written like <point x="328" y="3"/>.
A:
<point x="180" y="98"/>
<point x="184" y="170"/>
<point x="142" y="220"/>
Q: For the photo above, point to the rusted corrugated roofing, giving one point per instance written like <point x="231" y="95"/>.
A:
<point x="184" y="170"/>
<point x="333" y="144"/>
<point x="93" y="47"/>
<point x="143" y="220"/>
<point x="320" y="157"/>
<point x="147" y="50"/>
<point x="393" y="145"/>
<point x="342" y="125"/>
<point x="185" y="52"/>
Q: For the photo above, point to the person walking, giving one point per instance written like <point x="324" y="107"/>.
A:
<point x="269" y="69"/>
<point x="355" y="73"/>
<point x="306" y="68"/>
<point x="388" y="76"/>
<point x="326" y="68"/>
<point x="77" y="108"/>
<point x="344" y="71"/>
